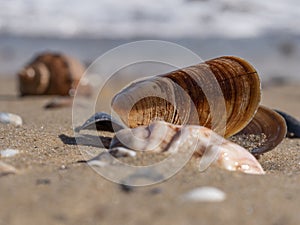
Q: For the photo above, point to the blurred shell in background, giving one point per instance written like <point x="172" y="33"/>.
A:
<point x="50" y="74"/>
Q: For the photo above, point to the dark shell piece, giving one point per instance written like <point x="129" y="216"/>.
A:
<point x="271" y="124"/>
<point x="293" y="125"/>
<point x="101" y="121"/>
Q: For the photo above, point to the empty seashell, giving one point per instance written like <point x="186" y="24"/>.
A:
<point x="270" y="123"/>
<point x="9" y="152"/>
<point x="179" y="97"/>
<point x="165" y="137"/>
<point x="9" y="118"/>
<point x="51" y="74"/>
<point x="204" y="194"/>
<point x="6" y="169"/>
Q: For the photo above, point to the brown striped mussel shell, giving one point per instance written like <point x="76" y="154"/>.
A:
<point x="185" y="101"/>
<point x="180" y="97"/>
<point x="50" y="74"/>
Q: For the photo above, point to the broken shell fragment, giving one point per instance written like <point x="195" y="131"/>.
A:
<point x="50" y="74"/>
<point x="122" y="152"/>
<point x="10" y="118"/>
<point x="165" y="137"/>
<point x="6" y="169"/>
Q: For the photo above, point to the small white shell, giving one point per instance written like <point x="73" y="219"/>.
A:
<point x="9" y="118"/>
<point x="6" y="169"/>
<point x="204" y="194"/>
<point x="9" y="152"/>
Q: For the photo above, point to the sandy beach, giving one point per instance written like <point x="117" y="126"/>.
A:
<point x="52" y="187"/>
<point x="49" y="181"/>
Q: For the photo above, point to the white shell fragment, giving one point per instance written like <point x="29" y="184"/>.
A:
<point x="101" y="160"/>
<point x="122" y="152"/>
<point x="107" y="157"/>
<point x="9" y="152"/>
<point x="204" y="194"/>
<point x="9" y="118"/>
<point x="6" y="169"/>
<point x="98" y="162"/>
<point x="212" y="148"/>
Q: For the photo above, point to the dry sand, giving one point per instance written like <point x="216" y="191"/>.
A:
<point x="52" y="188"/>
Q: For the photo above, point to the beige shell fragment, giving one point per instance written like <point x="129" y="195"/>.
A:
<point x="208" y="145"/>
<point x="6" y="169"/>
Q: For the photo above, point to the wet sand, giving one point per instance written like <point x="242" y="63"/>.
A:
<point x="51" y="187"/>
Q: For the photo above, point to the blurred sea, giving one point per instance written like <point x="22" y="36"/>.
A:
<point x="275" y="58"/>
<point x="264" y="32"/>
